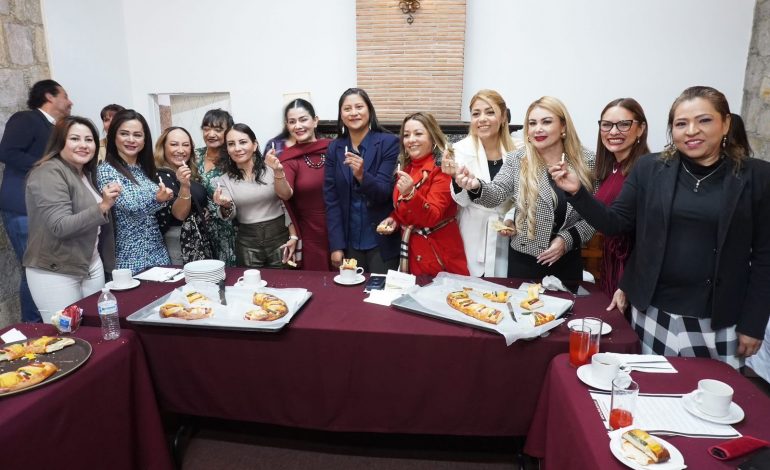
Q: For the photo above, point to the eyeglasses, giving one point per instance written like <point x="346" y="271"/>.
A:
<point x="623" y="126"/>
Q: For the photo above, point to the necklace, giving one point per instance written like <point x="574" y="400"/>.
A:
<point x="316" y="166"/>
<point x="615" y="167"/>
<point x="495" y="162"/>
<point x="698" y="181"/>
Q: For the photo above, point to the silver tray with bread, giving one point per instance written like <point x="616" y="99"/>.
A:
<point x="197" y="305"/>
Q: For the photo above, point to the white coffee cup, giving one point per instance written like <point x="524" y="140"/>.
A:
<point x="250" y="278"/>
<point x="713" y="397"/>
<point x="604" y="367"/>
<point x="121" y="277"/>
<point x="350" y="275"/>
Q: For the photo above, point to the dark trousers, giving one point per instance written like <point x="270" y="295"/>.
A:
<point x="371" y="260"/>
<point x="17" y="230"/>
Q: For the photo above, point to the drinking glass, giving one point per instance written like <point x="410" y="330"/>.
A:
<point x="579" y="338"/>
<point x="595" y="327"/>
<point x="623" y="402"/>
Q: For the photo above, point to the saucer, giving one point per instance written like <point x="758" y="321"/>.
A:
<point x="111" y="285"/>
<point x="261" y="283"/>
<point x="606" y="328"/>
<point x="735" y="414"/>
<point x="585" y="376"/>
<point x="358" y="280"/>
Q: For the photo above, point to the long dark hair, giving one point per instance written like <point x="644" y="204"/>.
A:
<point x="298" y="103"/>
<point x="374" y="124"/>
<point x="736" y="140"/>
<point x="144" y="159"/>
<point x="59" y="138"/>
<point x="605" y="159"/>
<point x="229" y="166"/>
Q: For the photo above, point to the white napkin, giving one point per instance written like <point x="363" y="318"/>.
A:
<point x="12" y="335"/>
<point x="554" y="283"/>
<point x="383" y="296"/>
<point x="399" y="281"/>
<point x="651" y="363"/>
<point x="159" y="274"/>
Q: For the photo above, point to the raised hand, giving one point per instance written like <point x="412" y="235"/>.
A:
<point x="183" y="175"/>
<point x="272" y="161"/>
<point x="220" y="198"/>
<point x="163" y="194"/>
<point x="448" y="164"/>
<point x="110" y="193"/>
<point x="356" y="164"/>
<point x="465" y="179"/>
<point x="404" y="183"/>
<point x="564" y="179"/>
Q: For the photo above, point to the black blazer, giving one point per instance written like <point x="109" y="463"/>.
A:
<point x="741" y="281"/>
<point x="24" y="141"/>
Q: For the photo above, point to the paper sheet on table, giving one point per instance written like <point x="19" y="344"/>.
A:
<point x="383" y="296"/>
<point x="650" y="363"/>
<point x="159" y="274"/>
<point x="433" y="298"/>
<point x="665" y="415"/>
<point x="12" y="335"/>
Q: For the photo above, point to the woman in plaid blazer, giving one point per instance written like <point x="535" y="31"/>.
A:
<point x="549" y="232"/>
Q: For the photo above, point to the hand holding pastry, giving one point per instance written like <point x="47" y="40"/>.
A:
<point x="387" y="226"/>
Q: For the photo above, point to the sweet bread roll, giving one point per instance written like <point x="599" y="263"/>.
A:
<point x="26" y="376"/>
<point x="270" y="308"/>
<point x="542" y="318"/>
<point x="349" y="263"/>
<point x="498" y="296"/>
<point x="193" y="297"/>
<point x="651" y="448"/>
<point x="531" y="304"/>
<point x="185" y="313"/>
<point x="463" y="303"/>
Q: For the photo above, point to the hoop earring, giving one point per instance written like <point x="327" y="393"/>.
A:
<point x="724" y="141"/>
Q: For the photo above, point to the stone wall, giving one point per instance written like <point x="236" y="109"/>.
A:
<point x="23" y="61"/>
<point x="756" y="87"/>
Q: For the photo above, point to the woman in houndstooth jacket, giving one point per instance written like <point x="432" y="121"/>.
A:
<point x="548" y="231"/>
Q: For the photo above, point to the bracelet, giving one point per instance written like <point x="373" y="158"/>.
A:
<point x="409" y="196"/>
<point x="189" y="196"/>
<point x="293" y="237"/>
<point x="283" y="177"/>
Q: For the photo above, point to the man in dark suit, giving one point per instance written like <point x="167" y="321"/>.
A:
<point x="23" y="143"/>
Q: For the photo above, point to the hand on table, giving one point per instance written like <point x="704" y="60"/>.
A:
<point x="619" y="301"/>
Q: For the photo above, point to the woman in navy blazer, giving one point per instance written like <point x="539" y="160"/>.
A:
<point x="358" y="184"/>
<point x="698" y="278"/>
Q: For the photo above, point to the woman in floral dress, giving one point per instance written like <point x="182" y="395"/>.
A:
<point x="221" y="232"/>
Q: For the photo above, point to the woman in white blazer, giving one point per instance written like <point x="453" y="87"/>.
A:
<point x="484" y="151"/>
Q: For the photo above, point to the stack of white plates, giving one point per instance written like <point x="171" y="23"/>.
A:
<point x="206" y="270"/>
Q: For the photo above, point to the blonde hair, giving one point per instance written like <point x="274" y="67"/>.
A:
<point x="434" y="131"/>
<point x="494" y="99"/>
<point x="159" y="153"/>
<point x="532" y="164"/>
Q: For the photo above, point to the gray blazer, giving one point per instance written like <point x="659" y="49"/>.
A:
<point x="575" y="230"/>
<point x="63" y="222"/>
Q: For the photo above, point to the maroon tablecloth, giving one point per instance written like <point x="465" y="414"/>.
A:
<point x="568" y="433"/>
<point x="345" y="365"/>
<point x="103" y="415"/>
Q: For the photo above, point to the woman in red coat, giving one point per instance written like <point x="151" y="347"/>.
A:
<point x="423" y="206"/>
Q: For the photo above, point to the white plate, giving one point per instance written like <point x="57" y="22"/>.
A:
<point x="204" y="265"/>
<point x="606" y="328"/>
<point x="585" y="376"/>
<point x="111" y="285"/>
<point x="676" y="462"/>
<point x="261" y="283"/>
<point x="358" y="280"/>
<point x="735" y="415"/>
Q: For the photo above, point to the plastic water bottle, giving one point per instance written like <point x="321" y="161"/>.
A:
<point x="108" y="313"/>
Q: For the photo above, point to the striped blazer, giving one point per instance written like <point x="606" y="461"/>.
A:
<point x="575" y="231"/>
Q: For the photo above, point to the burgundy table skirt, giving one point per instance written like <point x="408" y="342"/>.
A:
<point x="346" y="365"/>
<point x="567" y="431"/>
<point x="103" y="415"/>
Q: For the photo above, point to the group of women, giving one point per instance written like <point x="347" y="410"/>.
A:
<point x="683" y="246"/>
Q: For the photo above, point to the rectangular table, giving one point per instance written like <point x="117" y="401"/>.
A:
<point x="346" y="365"/>
<point x="102" y="415"/>
<point x="567" y="431"/>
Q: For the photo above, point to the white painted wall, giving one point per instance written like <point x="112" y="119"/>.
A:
<point x="589" y="52"/>
<point x="583" y="52"/>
